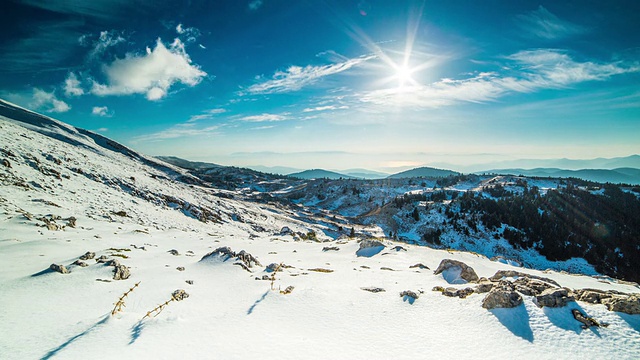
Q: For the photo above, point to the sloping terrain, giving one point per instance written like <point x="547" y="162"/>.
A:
<point x="107" y="253"/>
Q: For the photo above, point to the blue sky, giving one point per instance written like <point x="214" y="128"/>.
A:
<point x="334" y="84"/>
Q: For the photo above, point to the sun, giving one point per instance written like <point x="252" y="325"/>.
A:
<point x="403" y="75"/>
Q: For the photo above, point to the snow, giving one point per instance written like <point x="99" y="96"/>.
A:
<point x="228" y="314"/>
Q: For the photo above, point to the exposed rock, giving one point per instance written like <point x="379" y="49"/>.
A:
<point x="274" y="267"/>
<point x="120" y="213"/>
<point x="410" y="294"/>
<point x="248" y="259"/>
<point x="373" y="289"/>
<point x="386" y="268"/>
<point x="438" y="288"/>
<point x="484" y="287"/>
<point x="466" y="272"/>
<point x="587" y="321"/>
<point x="221" y="251"/>
<point x="180" y="268"/>
<point x="501" y="297"/>
<point x="322" y="270"/>
<point x="6" y="163"/>
<point x="592" y="296"/>
<point x="113" y="262"/>
<point x="288" y="290"/>
<point x="179" y="295"/>
<point x="173" y="252"/>
<point x="369" y="248"/>
<point x="453" y="292"/>
<point x="398" y="248"/>
<point x="531" y="287"/>
<point x="330" y="248"/>
<point x="624" y="304"/>
<point x="88" y="255"/>
<point x="80" y="263"/>
<point x="420" y="266"/>
<point x="512" y="273"/>
<point x="71" y="222"/>
<point x="264" y="277"/>
<point x="59" y="268"/>
<point x="285" y="231"/>
<point x="553" y="297"/>
<point x="190" y="282"/>
<point x="121" y="272"/>
<point x="102" y="259"/>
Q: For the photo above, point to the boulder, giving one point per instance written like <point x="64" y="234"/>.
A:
<point x="369" y="248"/>
<point x="88" y="256"/>
<point x="517" y="274"/>
<point x="461" y="293"/>
<point x="624" y="304"/>
<point x="59" y="268"/>
<point x="121" y="272"/>
<point x="591" y="296"/>
<point x="554" y="297"/>
<point x="409" y="293"/>
<point x="531" y="287"/>
<point x="174" y="252"/>
<point x="80" y="263"/>
<point x="179" y="295"/>
<point x="501" y="297"/>
<point x="451" y="266"/>
<point x="247" y="259"/>
<point x="484" y="287"/>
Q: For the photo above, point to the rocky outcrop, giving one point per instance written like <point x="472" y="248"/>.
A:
<point x="419" y="266"/>
<point x="409" y="293"/>
<point x="461" y="293"/>
<point x="502" y="295"/>
<point x="174" y="252"/>
<point x="625" y="304"/>
<point x="59" y="268"/>
<point x="369" y="248"/>
<point x="531" y="287"/>
<point x="80" y="263"/>
<point x="555" y="297"/>
<point x="88" y="256"/>
<point x="501" y="274"/>
<point x="244" y="259"/>
<point x="121" y="272"/>
<point x="179" y="295"/>
<point x="466" y="272"/>
<point x="373" y="289"/>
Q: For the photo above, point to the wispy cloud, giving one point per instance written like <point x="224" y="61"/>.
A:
<point x="190" y="34"/>
<point x="151" y="74"/>
<point x="72" y="85"/>
<point x="178" y="131"/>
<point x="297" y="77"/>
<point x="48" y="102"/>
<point x="102" y="111"/>
<point x="265" y="117"/>
<point x="209" y="114"/>
<point x="543" y="24"/>
<point x="533" y="70"/>
<point x="325" y="108"/>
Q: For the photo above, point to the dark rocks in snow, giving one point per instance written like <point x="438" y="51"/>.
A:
<point x="466" y="272"/>
<point x="179" y="295"/>
<point x="502" y="295"/>
<point x="586" y="320"/>
<point x="484" y="287"/>
<point x="71" y="222"/>
<point x="409" y="293"/>
<point x="223" y="251"/>
<point x="419" y="266"/>
<point x="102" y="259"/>
<point x="288" y="290"/>
<point x="6" y="163"/>
<point x="330" y="248"/>
<point x="88" y="256"/>
<point x="286" y="231"/>
<point x="121" y="272"/>
<point x="273" y="267"/>
<point x="80" y="263"/>
<point x="373" y="289"/>
<point x="629" y="304"/>
<point x="121" y="213"/>
<point x="369" y="248"/>
<point x="174" y="252"/>
<point x="264" y="277"/>
<point x="461" y="293"/>
<point x="180" y="268"/>
<point x="247" y="259"/>
<point x="112" y="262"/>
<point x="516" y="274"/>
<point x="531" y="287"/>
<point x="553" y="298"/>
<point x="59" y="268"/>
<point x="190" y="282"/>
<point x="398" y="248"/>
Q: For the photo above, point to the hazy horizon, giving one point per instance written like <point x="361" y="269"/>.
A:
<point x="334" y="84"/>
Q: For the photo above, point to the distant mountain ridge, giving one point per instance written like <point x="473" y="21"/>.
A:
<point x="424" y="172"/>
<point x="320" y="174"/>
<point x="186" y="164"/>
<point x="620" y="175"/>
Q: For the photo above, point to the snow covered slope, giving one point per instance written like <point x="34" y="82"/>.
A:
<point x="65" y="192"/>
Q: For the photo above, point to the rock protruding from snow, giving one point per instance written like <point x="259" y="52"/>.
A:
<point x="179" y="295"/>
<point x="419" y="266"/>
<point x="373" y="289"/>
<point x="80" y="263"/>
<point x="88" y="256"/>
<point x="531" y="287"/>
<point x="502" y="295"/>
<point x="59" y="268"/>
<point x="245" y="260"/>
<point x="454" y="271"/>
<point x="625" y="304"/>
<point x="409" y="296"/>
<point x="121" y="272"/>
<point x="461" y="293"/>
<point x="501" y="274"/>
<point x="369" y="248"/>
<point x="553" y="298"/>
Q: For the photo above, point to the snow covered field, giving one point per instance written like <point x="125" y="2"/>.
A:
<point x="136" y="211"/>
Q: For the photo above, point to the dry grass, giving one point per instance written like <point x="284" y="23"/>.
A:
<point x="157" y="310"/>
<point x="120" y="303"/>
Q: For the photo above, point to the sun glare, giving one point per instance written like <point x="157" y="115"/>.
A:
<point x="403" y="75"/>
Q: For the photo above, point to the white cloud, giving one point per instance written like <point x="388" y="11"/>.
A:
<point x="325" y="108"/>
<point x="534" y="70"/>
<point x="72" y="85"/>
<point x="48" y="102"/>
<point x="152" y="74"/>
<point x="255" y="5"/>
<point x="105" y="40"/>
<point x="543" y="24"/>
<point x="265" y="117"/>
<point x="101" y="111"/>
<point x="191" y="34"/>
<point x="296" y="77"/>
<point x="178" y="131"/>
<point x="209" y="114"/>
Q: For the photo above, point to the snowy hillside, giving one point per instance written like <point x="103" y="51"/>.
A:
<point x="97" y="241"/>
